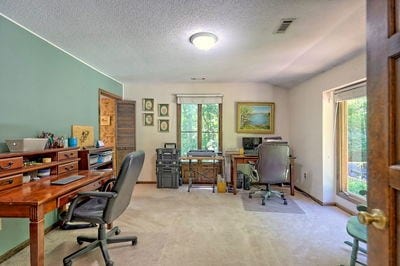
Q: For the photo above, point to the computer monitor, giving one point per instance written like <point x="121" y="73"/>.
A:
<point x="251" y="143"/>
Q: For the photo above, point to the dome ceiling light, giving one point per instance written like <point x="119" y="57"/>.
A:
<point x="203" y="40"/>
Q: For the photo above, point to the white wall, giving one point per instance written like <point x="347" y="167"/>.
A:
<point x="311" y="129"/>
<point x="148" y="138"/>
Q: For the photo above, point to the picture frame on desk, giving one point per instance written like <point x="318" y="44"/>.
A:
<point x="84" y="134"/>
<point x="255" y="117"/>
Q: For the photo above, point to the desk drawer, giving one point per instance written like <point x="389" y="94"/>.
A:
<point x="65" y="155"/>
<point x="10" y="181"/>
<point x="68" y="167"/>
<point x="64" y="199"/>
<point x="11" y="163"/>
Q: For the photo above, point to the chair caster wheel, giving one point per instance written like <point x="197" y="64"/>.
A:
<point x="79" y="242"/>
<point x="118" y="231"/>
<point x="263" y="202"/>
<point x="284" y="202"/>
<point x="110" y="263"/>
<point x="134" y="242"/>
<point x="67" y="263"/>
<point x="250" y="196"/>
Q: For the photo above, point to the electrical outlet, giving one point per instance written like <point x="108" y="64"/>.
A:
<point x="305" y="175"/>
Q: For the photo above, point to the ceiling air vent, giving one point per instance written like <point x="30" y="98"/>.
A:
<point x="285" y="23"/>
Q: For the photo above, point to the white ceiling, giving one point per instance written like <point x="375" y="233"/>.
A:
<point x="148" y="40"/>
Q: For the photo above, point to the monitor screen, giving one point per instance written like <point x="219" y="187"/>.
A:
<point x="251" y="143"/>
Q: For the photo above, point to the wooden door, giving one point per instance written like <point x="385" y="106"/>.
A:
<point x="383" y="83"/>
<point x="125" y="129"/>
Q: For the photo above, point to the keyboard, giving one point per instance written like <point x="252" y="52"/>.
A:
<point x="67" y="180"/>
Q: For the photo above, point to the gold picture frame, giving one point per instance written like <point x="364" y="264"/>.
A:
<point x="148" y="104"/>
<point x="163" y="109"/>
<point x="148" y="119"/>
<point x="255" y="117"/>
<point x="163" y="125"/>
<point x="84" y="134"/>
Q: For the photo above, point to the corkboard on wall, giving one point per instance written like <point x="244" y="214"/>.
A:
<point x="107" y="130"/>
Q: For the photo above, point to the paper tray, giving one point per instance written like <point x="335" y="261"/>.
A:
<point x="26" y="144"/>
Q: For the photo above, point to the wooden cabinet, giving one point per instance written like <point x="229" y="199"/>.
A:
<point x="203" y="172"/>
<point x="13" y="166"/>
<point x="96" y="158"/>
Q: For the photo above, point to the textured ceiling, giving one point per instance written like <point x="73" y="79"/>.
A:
<point x="148" y="40"/>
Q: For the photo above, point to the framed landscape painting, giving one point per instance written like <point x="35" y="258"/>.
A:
<point x="255" y="117"/>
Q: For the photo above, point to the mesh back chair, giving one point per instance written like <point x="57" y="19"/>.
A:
<point x="272" y="168"/>
<point x="103" y="208"/>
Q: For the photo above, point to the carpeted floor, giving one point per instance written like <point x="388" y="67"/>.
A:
<point x="175" y="227"/>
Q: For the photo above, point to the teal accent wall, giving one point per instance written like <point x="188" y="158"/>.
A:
<point x="42" y="89"/>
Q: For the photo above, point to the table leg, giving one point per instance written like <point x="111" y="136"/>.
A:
<point x="291" y="176"/>
<point x="234" y="176"/>
<point x="36" y="233"/>
<point x="215" y="174"/>
<point x="190" y="175"/>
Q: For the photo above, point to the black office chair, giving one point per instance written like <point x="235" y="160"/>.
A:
<point x="272" y="168"/>
<point x="103" y="207"/>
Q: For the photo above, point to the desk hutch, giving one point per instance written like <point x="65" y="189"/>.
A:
<point x="34" y="199"/>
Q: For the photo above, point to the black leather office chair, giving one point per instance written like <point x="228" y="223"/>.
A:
<point x="272" y="168"/>
<point x="103" y="207"/>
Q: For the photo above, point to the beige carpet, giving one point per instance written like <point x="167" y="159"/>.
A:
<point x="175" y="227"/>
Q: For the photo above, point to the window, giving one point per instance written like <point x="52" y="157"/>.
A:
<point x="352" y="141"/>
<point x="199" y="124"/>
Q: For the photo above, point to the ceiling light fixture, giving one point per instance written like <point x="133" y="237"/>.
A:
<point x="203" y="40"/>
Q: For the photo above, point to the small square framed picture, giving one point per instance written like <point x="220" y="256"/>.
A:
<point x="105" y="120"/>
<point x="148" y="119"/>
<point x="163" y="109"/>
<point x="148" y="104"/>
<point x="163" y="125"/>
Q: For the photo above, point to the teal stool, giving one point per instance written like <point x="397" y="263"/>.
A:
<point x="359" y="233"/>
